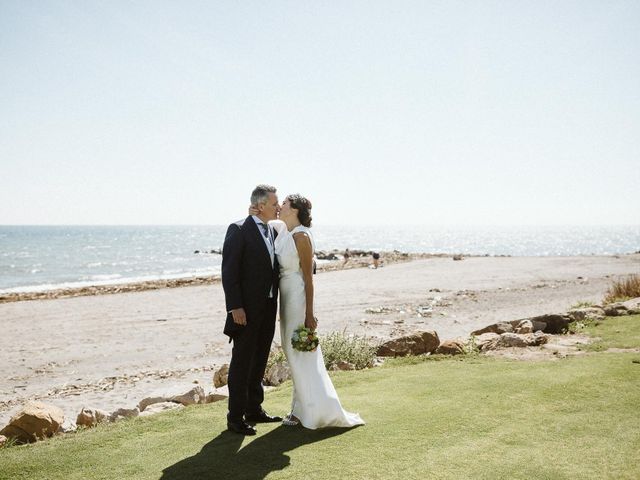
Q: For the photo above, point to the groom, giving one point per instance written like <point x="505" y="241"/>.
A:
<point x="250" y="282"/>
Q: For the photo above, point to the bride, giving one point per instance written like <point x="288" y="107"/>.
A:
<point x="315" y="403"/>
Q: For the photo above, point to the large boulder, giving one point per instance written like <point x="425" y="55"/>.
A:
<point x="160" y="407"/>
<point x="90" y="417"/>
<point x="36" y="421"/>
<point x="450" y="347"/>
<point x="414" y="344"/>
<point x="632" y="306"/>
<point x="554" y="323"/>
<point x="194" y="396"/>
<point x="277" y="373"/>
<point x="221" y="376"/>
<point x="550" y="323"/>
<point x="525" y="326"/>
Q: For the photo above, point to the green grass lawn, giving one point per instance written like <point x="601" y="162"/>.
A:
<point x="477" y="417"/>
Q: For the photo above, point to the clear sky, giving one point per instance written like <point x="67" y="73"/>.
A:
<point x="400" y="112"/>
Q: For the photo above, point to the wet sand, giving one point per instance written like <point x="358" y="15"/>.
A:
<point x="110" y="351"/>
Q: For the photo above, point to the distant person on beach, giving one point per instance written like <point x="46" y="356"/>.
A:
<point x="314" y="403"/>
<point x="376" y="259"/>
<point x="250" y="281"/>
<point x="346" y="257"/>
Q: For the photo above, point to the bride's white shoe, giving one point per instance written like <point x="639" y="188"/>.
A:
<point x="290" y="421"/>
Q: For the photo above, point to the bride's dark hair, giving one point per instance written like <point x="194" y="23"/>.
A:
<point x="303" y="206"/>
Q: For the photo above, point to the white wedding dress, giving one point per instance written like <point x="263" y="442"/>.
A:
<point x="315" y="401"/>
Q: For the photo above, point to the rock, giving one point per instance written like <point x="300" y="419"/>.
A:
<point x="221" y="376"/>
<point x="525" y="326"/>
<point x="414" y="344"/>
<point x="343" y="365"/>
<point x="580" y="314"/>
<point x="450" y="347"/>
<point x="121" y="413"/>
<point x="484" y="339"/>
<point x="554" y="323"/>
<point x="501" y="327"/>
<point x="538" y="325"/>
<point x="458" y="257"/>
<point x="160" y="407"/>
<point x="145" y="402"/>
<point x="215" y="397"/>
<point x="632" y="306"/>
<point x="90" y="417"/>
<point x="194" y="396"/>
<point x="3" y="441"/>
<point x="277" y="373"/>
<point x="322" y="255"/>
<point x="36" y="421"/>
<point x="513" y="340"/>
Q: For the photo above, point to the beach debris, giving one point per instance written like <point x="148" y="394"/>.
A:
<point x="415" y="344"/>
<point x="382" y="309"/>
<point x="36" y="421"/>
<point x="221" y="376"/>
<point x="277" y="373"/>
<point x="451" y="347"/>
<point x="160" y="407"/>
<point x="90" y="417"/>
<point x="122" y="413"/>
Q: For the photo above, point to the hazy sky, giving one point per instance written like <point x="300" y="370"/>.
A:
<point x="395" y="112"/>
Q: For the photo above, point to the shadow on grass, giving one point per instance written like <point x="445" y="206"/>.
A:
<point x="222" y="457"/>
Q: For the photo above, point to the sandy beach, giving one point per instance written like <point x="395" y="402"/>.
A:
<point x="110" y="351"/>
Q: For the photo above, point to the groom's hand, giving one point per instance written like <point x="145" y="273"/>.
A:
<point x="239" y="316"/>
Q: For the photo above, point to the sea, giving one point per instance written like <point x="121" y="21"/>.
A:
<point x="40" y="258"/>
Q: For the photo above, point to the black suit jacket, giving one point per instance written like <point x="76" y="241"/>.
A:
<point x="247" y="274"/>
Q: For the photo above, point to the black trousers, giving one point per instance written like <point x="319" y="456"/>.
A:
<point x="248" y="361"/>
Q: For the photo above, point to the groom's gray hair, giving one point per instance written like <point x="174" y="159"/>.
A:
<point x="261" y="193"/>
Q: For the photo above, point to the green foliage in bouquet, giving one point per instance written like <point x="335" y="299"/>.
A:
<point x="304" y="339"/>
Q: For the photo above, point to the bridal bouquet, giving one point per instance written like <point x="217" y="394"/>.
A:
<point x="304" y="339"/>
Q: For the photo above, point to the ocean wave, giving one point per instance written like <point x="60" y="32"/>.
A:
<point x="95" y="282"/>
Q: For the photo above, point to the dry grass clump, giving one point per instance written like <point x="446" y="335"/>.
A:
<point x="623" y="289"/>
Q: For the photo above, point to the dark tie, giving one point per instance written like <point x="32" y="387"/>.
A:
<point x="265" y="229"/>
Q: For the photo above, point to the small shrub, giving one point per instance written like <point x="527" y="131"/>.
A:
<point x="339" y="346"/>
<point x="623" y="289"/>
<point x="275" y="356"/>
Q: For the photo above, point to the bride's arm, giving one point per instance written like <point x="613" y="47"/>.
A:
<point x="305" y="252"/>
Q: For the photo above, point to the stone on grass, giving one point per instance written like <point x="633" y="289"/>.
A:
<point x="145" y="402"/>
<point x="3" y="440"/>
<point x="221" y="376"/>
<point x="90" y="417"/>
<point x="450" y="347"/>
<point x="277" y="373"/>
<point x="36" y="421"/>
<point x="160" y="407"/>
<point x="123" y="413"/>
<point x="192" y="397"/>
<point x="414" y="344"/>
<point x="215" y="397"/>
<point x="580" y="314"/>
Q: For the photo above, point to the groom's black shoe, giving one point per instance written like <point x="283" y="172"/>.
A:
<point x="241" y="427"/>
<point x="261" y="417"/>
